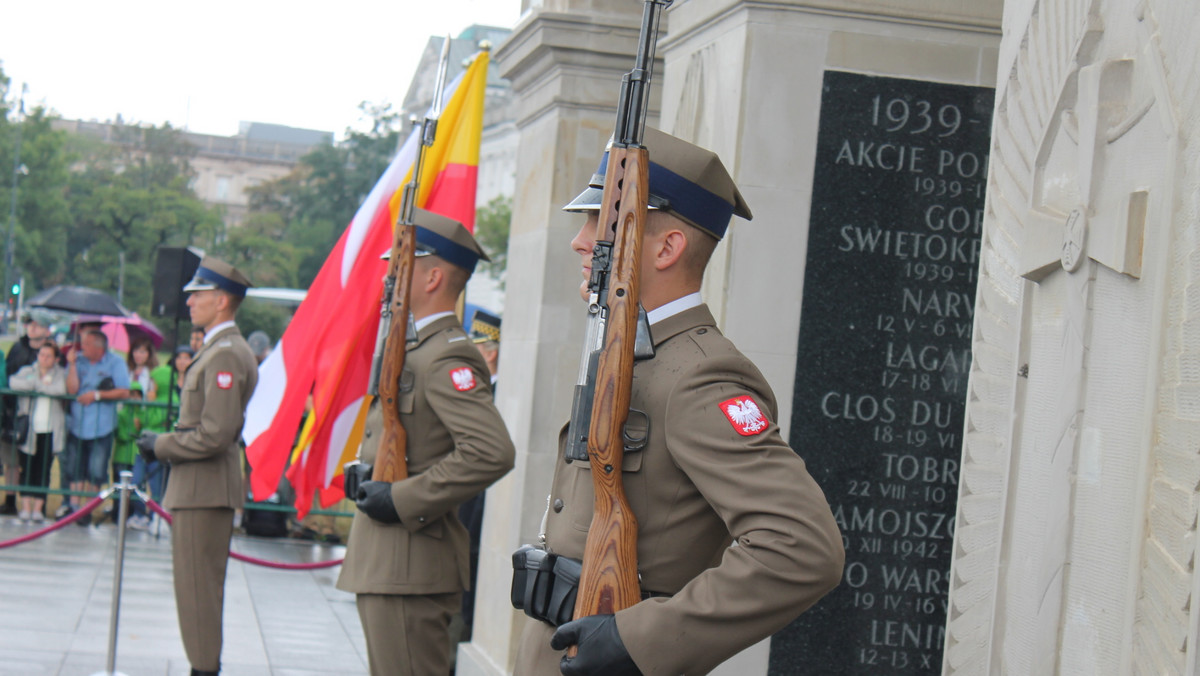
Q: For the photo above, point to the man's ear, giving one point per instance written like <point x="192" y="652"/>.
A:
<point x="433" y="279"/>
<point x="668" y="248"/>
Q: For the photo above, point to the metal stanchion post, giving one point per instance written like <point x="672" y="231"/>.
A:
<point x="124" y="486"/>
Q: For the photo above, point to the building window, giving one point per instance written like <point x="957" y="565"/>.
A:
<point x="222" y="188"/>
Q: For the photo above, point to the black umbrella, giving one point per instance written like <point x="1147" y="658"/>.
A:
<point x="78" y="299"/>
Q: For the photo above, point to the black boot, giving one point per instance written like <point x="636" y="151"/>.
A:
<point x="197" y="672"/>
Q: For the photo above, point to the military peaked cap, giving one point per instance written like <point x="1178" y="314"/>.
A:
<point x="685" y="179"/>
<point x="485" y="327"/>
<point x="445" y="237"/>
<point x="215" y="273"/>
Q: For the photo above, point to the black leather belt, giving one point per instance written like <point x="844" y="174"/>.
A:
<point x="184" y="429"/>
<point x="654" y="594"/>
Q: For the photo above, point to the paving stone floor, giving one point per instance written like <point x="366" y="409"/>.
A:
<point x="56" y="596"/>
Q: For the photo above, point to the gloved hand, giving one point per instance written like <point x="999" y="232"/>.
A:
<point x="601" y="650"/>
<point x="145" y="446"/>
<point x="374" y="498"/>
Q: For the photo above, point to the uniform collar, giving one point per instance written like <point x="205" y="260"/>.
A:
<point x="210" y="337"/>
<point x="673" y="308"/>
<point x="681" y="322"/>
<point x="429" y="319"/>
<point x="434" y="324"/>
<point x="213" y="331"/>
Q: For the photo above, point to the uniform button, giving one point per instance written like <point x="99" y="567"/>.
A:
<point x="420" y="519"/>
<point x="558" y="505"/>
<point x="702" y="331"/>
<point x="367" y="432"/>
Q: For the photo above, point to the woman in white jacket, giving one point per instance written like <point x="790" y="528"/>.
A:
<point x="47" y="425"/>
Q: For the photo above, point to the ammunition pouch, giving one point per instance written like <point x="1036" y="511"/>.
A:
<point x="545" y="585"/>
<point x="353" y="475"/>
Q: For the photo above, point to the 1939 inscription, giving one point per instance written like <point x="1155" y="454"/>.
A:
<point x="882" y="362"/>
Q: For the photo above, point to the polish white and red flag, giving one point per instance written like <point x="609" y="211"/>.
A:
<point x="326" y="350"/>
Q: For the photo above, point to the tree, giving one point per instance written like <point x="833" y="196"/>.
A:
<point x="492" y="222"/>
<point x="42" y="213"/>
<point x="129" y="197"/>
<point x="317" y="200"/>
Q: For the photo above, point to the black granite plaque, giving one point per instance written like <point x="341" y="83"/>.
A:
<point x="883" y="358"/>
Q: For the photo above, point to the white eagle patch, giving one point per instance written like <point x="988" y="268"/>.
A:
<point x="745" y="415"/>
<point x="463" y="378"/>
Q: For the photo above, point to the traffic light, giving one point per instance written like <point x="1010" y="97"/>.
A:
<point x="16" y="288"/>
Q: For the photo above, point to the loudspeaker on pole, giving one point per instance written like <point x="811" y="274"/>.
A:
<point x="173" y="268"/>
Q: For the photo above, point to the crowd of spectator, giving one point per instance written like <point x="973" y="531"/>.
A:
<point x="84" y="411"/>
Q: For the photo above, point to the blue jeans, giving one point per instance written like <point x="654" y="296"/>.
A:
<point x="151" y="474"/>
<point x="87" y="459"/>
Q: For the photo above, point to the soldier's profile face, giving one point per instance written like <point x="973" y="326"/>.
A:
<point x="582" y="244"/>
<point x="202" y="305"/>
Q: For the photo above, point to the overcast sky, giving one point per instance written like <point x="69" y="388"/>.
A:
<point x="208" y="65"/>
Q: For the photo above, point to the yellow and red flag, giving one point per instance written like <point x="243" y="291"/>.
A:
<point x="326" y="350"/>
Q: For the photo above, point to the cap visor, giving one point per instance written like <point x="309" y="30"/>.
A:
<point x="588" y="200"/>
<point x="199" y="285"/>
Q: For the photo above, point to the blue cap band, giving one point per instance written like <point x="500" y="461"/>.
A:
<point x="672" y="192"/>
<point x="222" y="282"/>
<point x="447" y="249"/>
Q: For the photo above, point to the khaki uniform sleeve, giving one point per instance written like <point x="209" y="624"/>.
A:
<point x="483" y="450"/>
<point x="787" y="549"/>
<point x="221" y="417"/>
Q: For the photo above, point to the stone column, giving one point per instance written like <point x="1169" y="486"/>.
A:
<point x="565" y="60"/>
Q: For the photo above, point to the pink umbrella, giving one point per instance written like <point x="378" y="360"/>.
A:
<point x="121" y="331"/>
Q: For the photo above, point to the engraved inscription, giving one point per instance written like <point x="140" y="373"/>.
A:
<point x="883" y="358"/>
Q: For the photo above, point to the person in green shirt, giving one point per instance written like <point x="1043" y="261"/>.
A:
<point x="154" y="419"/>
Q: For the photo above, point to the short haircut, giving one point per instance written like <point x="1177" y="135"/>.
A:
<point x="700" y="244"/>
<point x="97" y="335"/>
<point x="53" y="347"/>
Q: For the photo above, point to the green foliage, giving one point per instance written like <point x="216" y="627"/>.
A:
<point x="315" y="202"/>
<point x="260" y="315"/>
<point x="492" y="222"/>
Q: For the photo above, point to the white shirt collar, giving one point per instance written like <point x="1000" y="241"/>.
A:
<point x="216" y="329"/>
<point x="674" y="307"/>
<point x="429" y="319"/>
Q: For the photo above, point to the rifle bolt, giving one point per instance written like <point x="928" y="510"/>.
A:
<point x="608" y="468"/>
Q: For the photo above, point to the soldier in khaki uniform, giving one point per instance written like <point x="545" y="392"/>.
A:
<point x="714" y="471"/>
<point x="205" y="456"/>
<point x="407" y="557"/>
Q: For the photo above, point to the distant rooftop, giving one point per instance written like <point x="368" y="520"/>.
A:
<point x="257" y="140"/>
<point x="263" y="131"/>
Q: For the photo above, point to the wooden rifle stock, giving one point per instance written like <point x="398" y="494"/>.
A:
<point x="391" y="463"/>
<point x="391" y="460"/>
<point x="609" y="580"/>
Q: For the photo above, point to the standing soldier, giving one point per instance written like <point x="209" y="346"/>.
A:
<point x="714" y="469"/>
<point x="205" y="456"/>
<point x="407" y="556"/>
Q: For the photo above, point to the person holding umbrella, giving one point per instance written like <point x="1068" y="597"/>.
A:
<point x="97" y="381"/>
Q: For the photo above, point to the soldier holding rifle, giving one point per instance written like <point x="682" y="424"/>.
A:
<point x="712" y="467"/>
<point x="407" y="558"/>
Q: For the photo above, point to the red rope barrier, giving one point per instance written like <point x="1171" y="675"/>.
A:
<point x="63" y="523"/>
<point x="157" y="509"/>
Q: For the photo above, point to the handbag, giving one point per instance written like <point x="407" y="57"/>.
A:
<point x="18" y="434"/>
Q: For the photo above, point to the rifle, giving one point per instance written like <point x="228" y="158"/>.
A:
<point x="617" y="326"/>
<point x="391" y="342"/>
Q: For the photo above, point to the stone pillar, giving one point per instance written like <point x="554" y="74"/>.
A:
<point x="565" y="60"/>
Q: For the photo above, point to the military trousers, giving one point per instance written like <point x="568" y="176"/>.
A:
<point x="408" y="635"/>
<point x="199" y="554"/>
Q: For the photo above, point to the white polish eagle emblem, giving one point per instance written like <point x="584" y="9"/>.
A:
<point x="745" y="415"/>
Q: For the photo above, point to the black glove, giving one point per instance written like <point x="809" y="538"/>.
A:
<point x="374" y="498"/>
<point x="145" y="446"/>
<point x="601" y="650"/>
